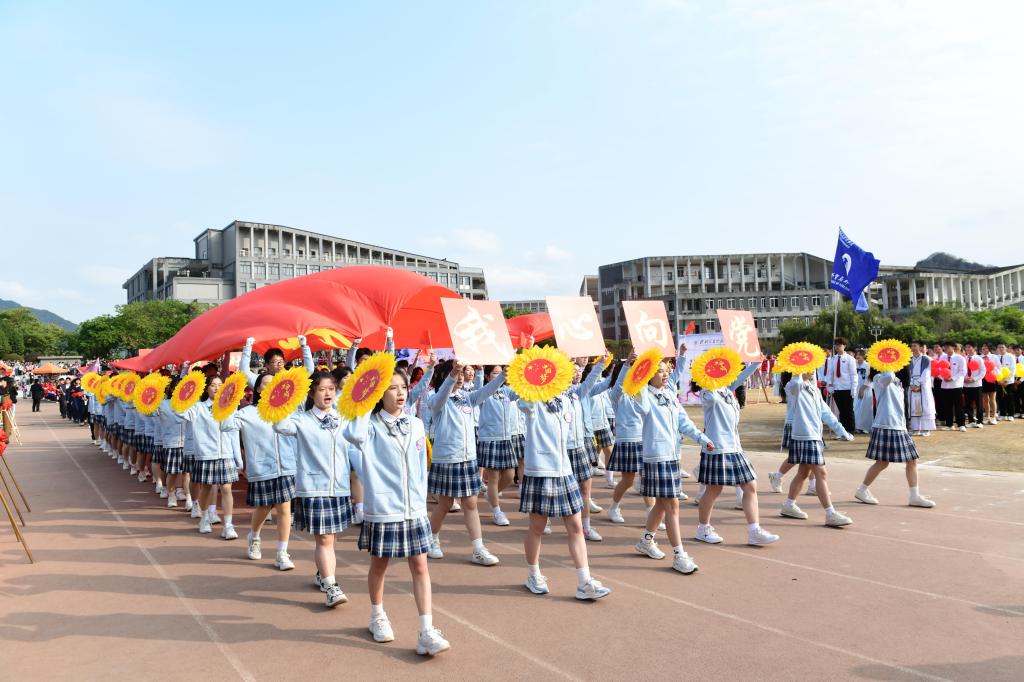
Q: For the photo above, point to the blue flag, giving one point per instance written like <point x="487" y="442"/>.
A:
<point x="852" y="271"/>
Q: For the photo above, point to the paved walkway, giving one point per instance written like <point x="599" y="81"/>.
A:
<point x="126" y="589"/>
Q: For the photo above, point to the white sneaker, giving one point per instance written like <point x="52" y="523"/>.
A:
<point x="431" y="643"/>
<point x="708" y="535"/>
<point x="835" y="519"/>
<point x="759" y="536"/>
<point x="812" y="488"/>
<point x="592" y="591"/>
<point x="357" y="517"/>
<point x="615" y="515"/>
<point x="180" y="494"/>
<point x="229" y="532"/>
<point x="683" y="473"/>
<point x="500" y="519"/>
<point x="792" y="511"/>
<point x="865" y="496"/>
<point x="483" y="557"/>
<point x="163" y="493"/>
<point x="214" y="519"/>
<point x="538" y="584"/>
<point x="204" y="526"/>
<point x="921" y="501"/>
<point x="132" y="470"/>
<point x="380" y="628"/>
<point x="171" y="502"/>
<point x="547" y="528"/>
<point x="142" y="476"/>
<point x="592" y="535"/>
<point x="775" y="481"/>
<point x="595" y="508"/>
<point x="681" y="495"/>
<point x="435" y="549"/>
<point x="609" y="484"/>
<point x="334" y="596"/>
<point x="456" y="507"/>
<point x="946" y="428"/>
<point x="255" y="552"/>
<point x="649" y="548"/>
<point x="283" y="562"/>
<point x="963" y="429"/>
<point x="195" y="510"/>
<point x="925" y="434"/>
<point x="683" y="563"/>
<point x="978" y="425"/>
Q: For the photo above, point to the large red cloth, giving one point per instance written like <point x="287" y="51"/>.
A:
<point x="521" y="328"/>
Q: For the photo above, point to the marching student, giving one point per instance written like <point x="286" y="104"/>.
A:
<point x="989" y="389"/>
<point x="322" y="491"/>
<point x="841" y="381"/>
<point x="549" y="490"/>
<point x="454" y="474"/>
<point x="273" y="360"/>
<point x="391" y="460"/>
<point x="807" y="449"/>
<point x="951" y="390"/>
<point x="499" y="417"/>
<point x="663" y="421"/>
<point x="890" y="441"/>
<point x="270" y="472"/>
<point x="972" y="387"/>
<point x="920" y="398"/>
<point x="775" y="477"/>
<point x="172" y="434"/>
<point x="726" y="464"/>
<point x="580" y="443"/>
<point x="863" y="401"/>
<point x="217" y="462"/>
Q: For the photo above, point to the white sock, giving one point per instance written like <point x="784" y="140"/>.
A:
<point x="614" y="505"/>
<point x="204" y="515"/>
<point x="282" y="546"/>
<point x="478" y="545"/>
<point x="700" y="490"/>
<point x="583" y="576"/>
<point x="752" y="527"/>
<point x="435" y="537"/>
<point x="678" y="550"/>
<point x="359" y="507"/>
<point x="376" y="610"/>
<point x="914" y="491"/>
<point x="426" y="622"/>
<point x="329" y="580"/>
<point x="862" y="488"/>
<point x="534" y="569"/>
<point x="586" y="523"/>
<point x="212" y="509"/>
<point x="495" y="509"/>
<point x="789" y="503"/>
<point x="739" y="495"/>
<point x="830" y="509"/>
<point x="254" y="536"/>
<point x="702" y="526"/>
<point x="227" y="520"/>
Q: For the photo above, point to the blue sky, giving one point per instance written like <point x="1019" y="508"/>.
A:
<point x="535" y="139"/>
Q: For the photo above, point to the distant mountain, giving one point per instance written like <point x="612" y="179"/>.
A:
<point x="945" y="261"/>
<point x="41" y="315"/>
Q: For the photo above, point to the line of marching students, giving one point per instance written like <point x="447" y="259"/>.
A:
<point x="319" y="473"/>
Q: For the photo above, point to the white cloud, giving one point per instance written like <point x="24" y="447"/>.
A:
<point x="104" y="275"/>
<point x="14" y="291"/>
<point x="553" y="253"/>
<point x="475" y="240"/>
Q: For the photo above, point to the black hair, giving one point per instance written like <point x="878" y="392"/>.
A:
<point x="340" y="373"/>
<point x="256" y="386"/>
<point x="587" y="369"/>
<point x="206" y="386"/>
<point x="402" y="365"/>
<point x="314" y="381"/>
<point x="413" y="376"/>
<point x="441" y="372"/>
<point x="840" y="341"/>
<point x="272" y="353"/>
<point x="171" y="385"/>
<point x="362" y="353"/>
<point x="615" y="371"/>
<point x="400" y="373"/>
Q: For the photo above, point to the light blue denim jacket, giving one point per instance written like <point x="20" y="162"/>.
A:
<point x="321" y="455"/>
<point x="172" y="425"/>
<point x="579" y="396"/>
<point x="453" y="424"/>
<point x="268" y="454"/>
<point x="210" y="442"/>
<point x="499" y="415"/>
<point x="889" y="408"/>
<point x="629" y="421"/>
<point x="663" y="421"/>
<point x="547" y="437"/>
<point x="722" y="415"/>
<point x="392" y="466"/>
<point x="809" y="411"/>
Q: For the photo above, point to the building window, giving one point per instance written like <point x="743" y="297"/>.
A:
<point x="794" y="301"/>
<point x="709" y="304"/>
<point x="816" y="301"/>
<point x="302" y="253"/>
<point x="243" y="252"/>
<point x="709" y="325"/>
<point x="775" y="323"/>
<point x="314" y="268"/>
<point x="287" y="253"/>
<point x="287" y="270"/>
<point x="762" y="303"/>
<point x="245" y="268"/>
<point x="260" y="271"/>
<point x="258" y="251"/>
<point x="465" y="282"/>
<point x="300" y="270"/>
<point x="312" y="253"/>
<point x="773" y="302"/>
<point x="275" y="271"/>
<point x="752" y="303"/>
<point x="273" y="252"/>
<point x="730" y="303"/>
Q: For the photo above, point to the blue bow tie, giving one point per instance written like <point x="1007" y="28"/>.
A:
<point x="329" y="422"/>
<point x="402" y="425"/>
<point x="554" y="405"/>
<point x="663" y="400"/>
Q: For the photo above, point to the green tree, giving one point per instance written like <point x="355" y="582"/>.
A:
<point x="509" y="313"/>
<point x="133" y="326"/>
<point x="28" y="335"/>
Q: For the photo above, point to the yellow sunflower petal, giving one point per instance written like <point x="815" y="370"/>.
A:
<point x="128" y="385"/>
<point x="888" y="355"/>
<point x="150" y="393"/>
<point x="800" y="358"/>
<point x="229" y="396"/>
<point x="540" y="373"/>
<point x="283" y="394"/>
<point x="716" y="368"/>
<point x="366" y="386"/>
<point x="642" y="371"/>
<point x="188" y="392"/>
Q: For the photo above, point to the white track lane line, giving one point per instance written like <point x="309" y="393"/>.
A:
<point x="235" y="662"/>
<point x="933" y="546"/>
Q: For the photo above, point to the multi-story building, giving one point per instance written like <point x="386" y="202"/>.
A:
<point x="533" y="305"/>
<point x="775" y="287"/>
<point x="243" y="256"/>
<point x="901" y="289"/>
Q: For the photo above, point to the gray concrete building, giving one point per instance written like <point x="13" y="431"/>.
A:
<point x="899" y="290"/>
<point x="244" y="256"/>
<point x="532" y="305"/>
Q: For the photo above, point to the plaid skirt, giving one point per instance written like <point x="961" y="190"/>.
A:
<point x="396" y="539"/>
<point x="660" y="479"/>
<point x="496" y="454"/>
<point x="214" y="471"/>
<point x="158" y="456"/>
<point x="550" y="496"/>
<point x="806" y="452"/>
<point x="890" y="445"/>
<point x="604" y="438"/>
<point x="172" y="461"/>
<point x="268" y="493"/>
<point x="127" y="436"/>
<point x="581" y="467"/>
<point x="455" y="479"/>
<point x="519" y="445"/>
<point x="730" y="468"/>
<point x="322" y="515"/>
<point x="591" y="450"/>
<point x="625" y="457"/>
<point x="787" y="431"/>
<point x="188" y="463"/>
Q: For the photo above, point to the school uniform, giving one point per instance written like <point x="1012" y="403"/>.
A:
<point x="269" y="458"/>
<point x="1007" y="396"/>
<point x="454" y="471"/>
<point x="245" y="361"/>
<point x="216" y="461"/>
<point x="322" y="490"/>
<point x="128" y="423"/>
<point x="810" y="412"/>
<point x="416" y="394"/>
<point x="549" y="487"/>
<point x="579" y="444"/>
<point x="726" y="465"/>
<point x="986" y="385"/>
<point x="173" y="428"/>
<point x="921" y="401"/>
<point x="663" y="421"/>
<point x="890" y="441"/>
<point x="975" y="413"/>
<point x="863" y="402"/>
<point x="159" y="452"/>
<point x="952" y="391"/>
<point x="390" y="458"/>
<point x="841" y="373"/>
<point x="626" y="453"/>
<point x="599" y="421"/>
<point x="787" y="427"/>
<point x="498" y="418"/>
<point x="519" y="435"/>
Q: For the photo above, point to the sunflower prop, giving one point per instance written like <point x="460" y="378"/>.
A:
<point x="102" y="390"/>
<point x="642" y="371"/>
<point x="229" y="396"/>
<point x="284" y="393"/>
<point x="801" y="358"/>
<point x="188" y="392"/>
<point x="366" y="385"/>
<point x="150" y="393"/>
<point x="89" y="381"/>
<point x="888" y="355"/>
<point x="128" y="385"/>
<point x="716" y="368"/>
<point x="540" y="373"/>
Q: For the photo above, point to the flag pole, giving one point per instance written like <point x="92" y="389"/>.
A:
<point x="835" y="317"/>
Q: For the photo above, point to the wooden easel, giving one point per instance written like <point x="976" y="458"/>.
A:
<point x="14" y="502"/>
<point x="7" y="417"/>
<point x="14" y="527"/>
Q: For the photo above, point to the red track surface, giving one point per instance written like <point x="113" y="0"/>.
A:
<point x="124" y="588"/>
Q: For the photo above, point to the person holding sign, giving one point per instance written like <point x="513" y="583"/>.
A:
<point x="581" y="436"/>
<point x="499" y="418"/>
